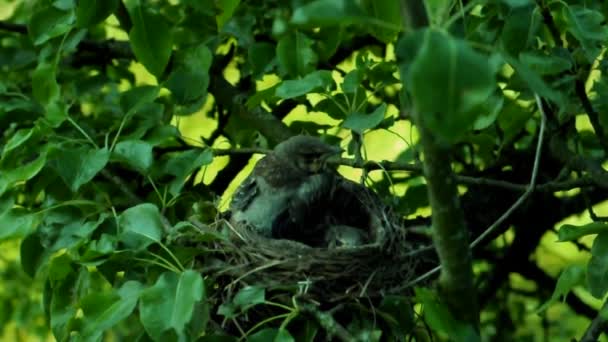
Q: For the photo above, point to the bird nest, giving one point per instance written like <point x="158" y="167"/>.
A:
<point x="386" y="264"/>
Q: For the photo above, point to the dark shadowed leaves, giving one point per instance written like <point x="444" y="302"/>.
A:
<point x="101" y="311"/>
<point x="589" y="28"/>
<point x="92" y="12"/>
<point x="295" y="55"/>
<point x="570" y="277"/>
<point x="597" y="269"/>
<point x="271" y="334"/>
<point x="439" y="318"/>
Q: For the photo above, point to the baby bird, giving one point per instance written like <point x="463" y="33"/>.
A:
<point x="279" y="196"/>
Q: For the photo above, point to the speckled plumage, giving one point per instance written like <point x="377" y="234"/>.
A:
<point x="283" y="186"/>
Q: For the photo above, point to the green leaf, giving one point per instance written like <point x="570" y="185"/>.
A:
<point x="60" y="268"/>
<point x="360" y="122"/>
<point x="534" y="80"/>
<point x="249" y="296"/>
<point x="398" y="313"/>
<point x="190" y="77"/>
<point x="135" y="153"/>
<point x="16" y="223"/>
<point x="295" y="55"/>
<point x="271" y="334"/>
<point x="17" y="139"/>
<point x="93" y="12"/>
<point x="327" y="12"/>
<point x="260" y="57"/>
<point x="78" y="166"/>
<point x="61" y="308"/>
<point x="520" y="29"/>
<point x="133" y="99"/>
<point x="568" y="232"/>
<point x="352" y="80"/>
<point x="76" y="233"/>
<point x="387" y="12"/>
<point x="184" y="164"/>
<point x="56" y="113"/>
<point x="44" y="84"/>
<point x="570" y="277"/>
<point x="227" y="8"/>
<point x="447" y="79"/>
<point x="102" y="311"/>
<point x="488" y="111"/>
<point x="246" y="298"/>
<point x="170" y="302"/>
<point x="545" y="64"/>
<point x="22" y="173"/>
<point x="140" y="226"/>
<point x="315" y="81"/>
<point x="49" y="22"/>
<point x="439" y="318"/>
<point x="31" y="252"/>
<point x="587" y="26"/>
<point x="150" y="36"/>
<point x="597" y="268"/>
<point x="267" y="95"/>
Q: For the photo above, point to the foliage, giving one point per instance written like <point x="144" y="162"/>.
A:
<point x="100" y="186"/>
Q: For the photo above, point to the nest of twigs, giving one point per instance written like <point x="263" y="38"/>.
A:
<point x="386" y="264"/>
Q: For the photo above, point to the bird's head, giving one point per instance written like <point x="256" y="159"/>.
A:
<point x="307" y="153"/>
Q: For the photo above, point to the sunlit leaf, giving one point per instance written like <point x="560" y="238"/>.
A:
<point x="360" y="122"/>
<point x="568" y="232"/>
<point x="314" y="81"/>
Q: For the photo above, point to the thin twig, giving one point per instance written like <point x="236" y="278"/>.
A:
<point x="509" y="212"/>
<point x="596" y="327"/>
<point x="530" y="188"/>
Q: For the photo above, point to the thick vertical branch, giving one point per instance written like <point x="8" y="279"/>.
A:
<point x="450" y="236"/>
<point x="449" y="231"/>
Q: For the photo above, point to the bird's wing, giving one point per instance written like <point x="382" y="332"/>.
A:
<point x="244" y="194"/>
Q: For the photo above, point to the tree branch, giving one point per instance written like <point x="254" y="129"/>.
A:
<point x="598" y="325"/>
<point x="450" y="236"/>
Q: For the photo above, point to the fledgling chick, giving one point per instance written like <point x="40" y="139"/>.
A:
<point x="283" y="185"/>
